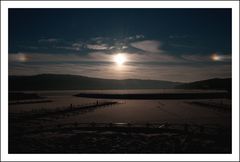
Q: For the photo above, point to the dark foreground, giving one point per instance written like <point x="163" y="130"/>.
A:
<point x="43" y="131"/>
<point x="117" y="138"/>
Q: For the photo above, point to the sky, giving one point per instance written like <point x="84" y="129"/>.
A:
<point x="161" y="44"/>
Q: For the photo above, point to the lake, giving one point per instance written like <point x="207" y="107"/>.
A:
<point x="135" y="111"/>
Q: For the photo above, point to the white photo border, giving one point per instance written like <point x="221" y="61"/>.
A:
<point x="5" y="5"/>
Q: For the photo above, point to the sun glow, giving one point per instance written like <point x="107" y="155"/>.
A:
<point x="120" y="59"/>
<point x="21" y="57"/>
<point x="216" y="57"/>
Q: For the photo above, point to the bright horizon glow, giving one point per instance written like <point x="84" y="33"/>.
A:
<point x="120" y="59"/>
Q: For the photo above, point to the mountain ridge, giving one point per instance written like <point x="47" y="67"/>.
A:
<point x="78" y="82"/>
<point x="214" y="83"/>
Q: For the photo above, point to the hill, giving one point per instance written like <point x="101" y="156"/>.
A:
<point x="216" y="83"/>
<point x="75" y="82"/>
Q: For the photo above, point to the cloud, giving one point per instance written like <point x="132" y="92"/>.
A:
<point x="71" y="48"/>
<point x="49" y="40"/>
<point x="61" y="58"/>
<point x="196" y="57"/>
<point x="19" y="57"/>
<point x="94" y="58"/>
<point x="207" y="58"/>
<point x="99" y="40"/>
<point x="56" y="45"/>
<point x="147" y="46"/>
<point x="100" y="64"/>
<point x="91" y="56"/>
<point x="181" y="73"/>
<point x="153" y="57"/>
<point x="135" y="37"/>
<point x="97" y="46"/>
<point x="140" y="36"/>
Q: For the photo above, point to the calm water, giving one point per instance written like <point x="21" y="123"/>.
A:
<point x="135" y="91"/>
<point x="174" y="111"/>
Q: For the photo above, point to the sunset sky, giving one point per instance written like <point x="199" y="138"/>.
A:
<point x="163" y="44"/>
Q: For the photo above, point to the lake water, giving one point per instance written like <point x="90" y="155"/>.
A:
<point x="136" y="111"/>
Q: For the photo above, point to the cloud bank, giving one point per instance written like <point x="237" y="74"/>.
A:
<point x="146" y="59"/>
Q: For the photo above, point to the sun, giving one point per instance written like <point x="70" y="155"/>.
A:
<point x="120" y="59"/>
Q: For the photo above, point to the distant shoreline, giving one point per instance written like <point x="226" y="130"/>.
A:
<point x="209" y="95"/>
